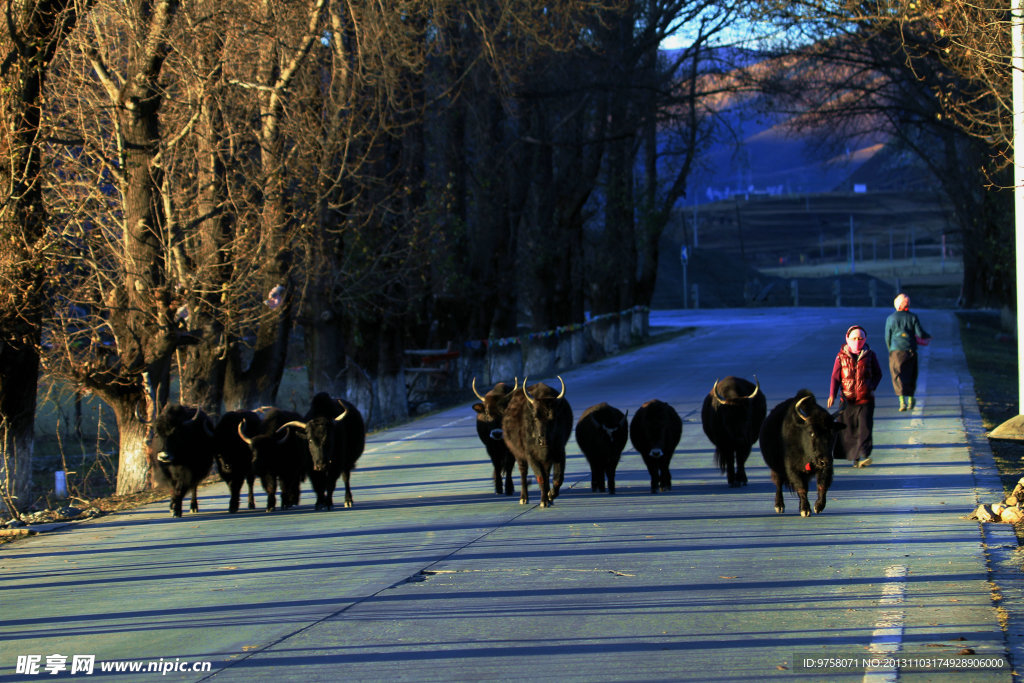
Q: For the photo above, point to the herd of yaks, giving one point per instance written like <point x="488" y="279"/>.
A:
<point x="527" y="426"/>
<point x="531" y="426"/>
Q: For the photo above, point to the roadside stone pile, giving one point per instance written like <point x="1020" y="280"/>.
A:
<point x="45" y="520"/>
<point x="1009" y="511"/>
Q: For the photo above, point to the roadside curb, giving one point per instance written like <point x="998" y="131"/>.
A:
<point x="999" y="540"/>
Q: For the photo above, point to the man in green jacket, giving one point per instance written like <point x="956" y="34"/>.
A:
<point x="903" y="333"/>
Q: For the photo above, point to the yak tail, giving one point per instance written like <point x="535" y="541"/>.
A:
<point x="719" y="460"/>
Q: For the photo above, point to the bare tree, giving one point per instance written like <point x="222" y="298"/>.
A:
<point x="29" y="37"/>
<point x="139" y="303"/>
<point x="281" y="56"/>
<point x="416" y="172"/>
<point x="659" y="123"/>
<point x="934" y="78"/>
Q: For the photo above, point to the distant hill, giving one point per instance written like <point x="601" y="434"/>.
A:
<point x="756" y="149"/>
<point x="775" y="209"/>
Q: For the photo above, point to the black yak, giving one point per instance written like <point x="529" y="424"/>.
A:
<point x="278" y="457"/>
<point x="233" y="455"/>
<point x="181" y="443"/>
<point x="655" y="433"/>
<point x="731" y="416"/>
<point x="489" y="413"/>
<point x="601" y="434"/>
<point x="336" y="435"/>
<point x="797" y="439"/>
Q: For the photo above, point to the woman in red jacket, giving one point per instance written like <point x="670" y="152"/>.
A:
<point x="855" y="376"/>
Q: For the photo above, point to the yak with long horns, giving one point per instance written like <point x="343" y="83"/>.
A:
<point x="278" y="457"/>
<point x="336" y="434"/>
<point x="536" y="427"/>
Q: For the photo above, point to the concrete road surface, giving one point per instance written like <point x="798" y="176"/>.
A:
<point x="432" y="577"/>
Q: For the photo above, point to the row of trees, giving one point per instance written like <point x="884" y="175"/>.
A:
<point x="185" y="183"/>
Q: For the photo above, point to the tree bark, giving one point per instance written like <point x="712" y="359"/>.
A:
<point x="135" y="469"/>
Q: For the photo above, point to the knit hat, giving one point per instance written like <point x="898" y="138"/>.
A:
<point x="901" y="302"/>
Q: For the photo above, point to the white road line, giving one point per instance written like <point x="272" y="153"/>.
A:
<point x="887" y="638"/>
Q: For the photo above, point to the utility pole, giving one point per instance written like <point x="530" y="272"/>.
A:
<point x="684" y="257"/>
<point x="1014" y="427"/>
<point x="852" y="266"/>
<point x="696" y="241"/>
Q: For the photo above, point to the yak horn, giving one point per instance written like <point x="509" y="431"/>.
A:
<point x="477" y="393"/>
<point x="140" y="418"/>
<point x="714" y="392"/>
<point x="527" y="393"/>
<point x="206" y="423"/>
<point x="531" y="399"/>
<point x="757" y="387"/>
<point x="516" y="384"/>
<point x="803" y="416"/>
<point x="343" y="412"/>
<point x="241" y="434"/>
<point x="287" y="433"/>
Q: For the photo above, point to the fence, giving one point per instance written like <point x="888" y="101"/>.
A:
<point x="533" y="354"/>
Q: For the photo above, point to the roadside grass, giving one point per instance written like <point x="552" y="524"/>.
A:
<point x="991" y="354"/>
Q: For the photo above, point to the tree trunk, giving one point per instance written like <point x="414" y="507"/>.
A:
<point x="134" y="469"/>
<point x="258" y="383"/>
<point x="620" y="231"/>
<point x="141" y="308"/>
<point x="491" y="226"/>
<point x="203" y="364"/>
<point x="360" y="386"/>
<point x="19" y="370"/>
<point x="324" y="339"/>
<point x="393" y="402"/>
<point x="253" y="385"/>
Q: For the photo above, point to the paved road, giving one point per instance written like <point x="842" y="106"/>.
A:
<point x="431" y="577"/>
